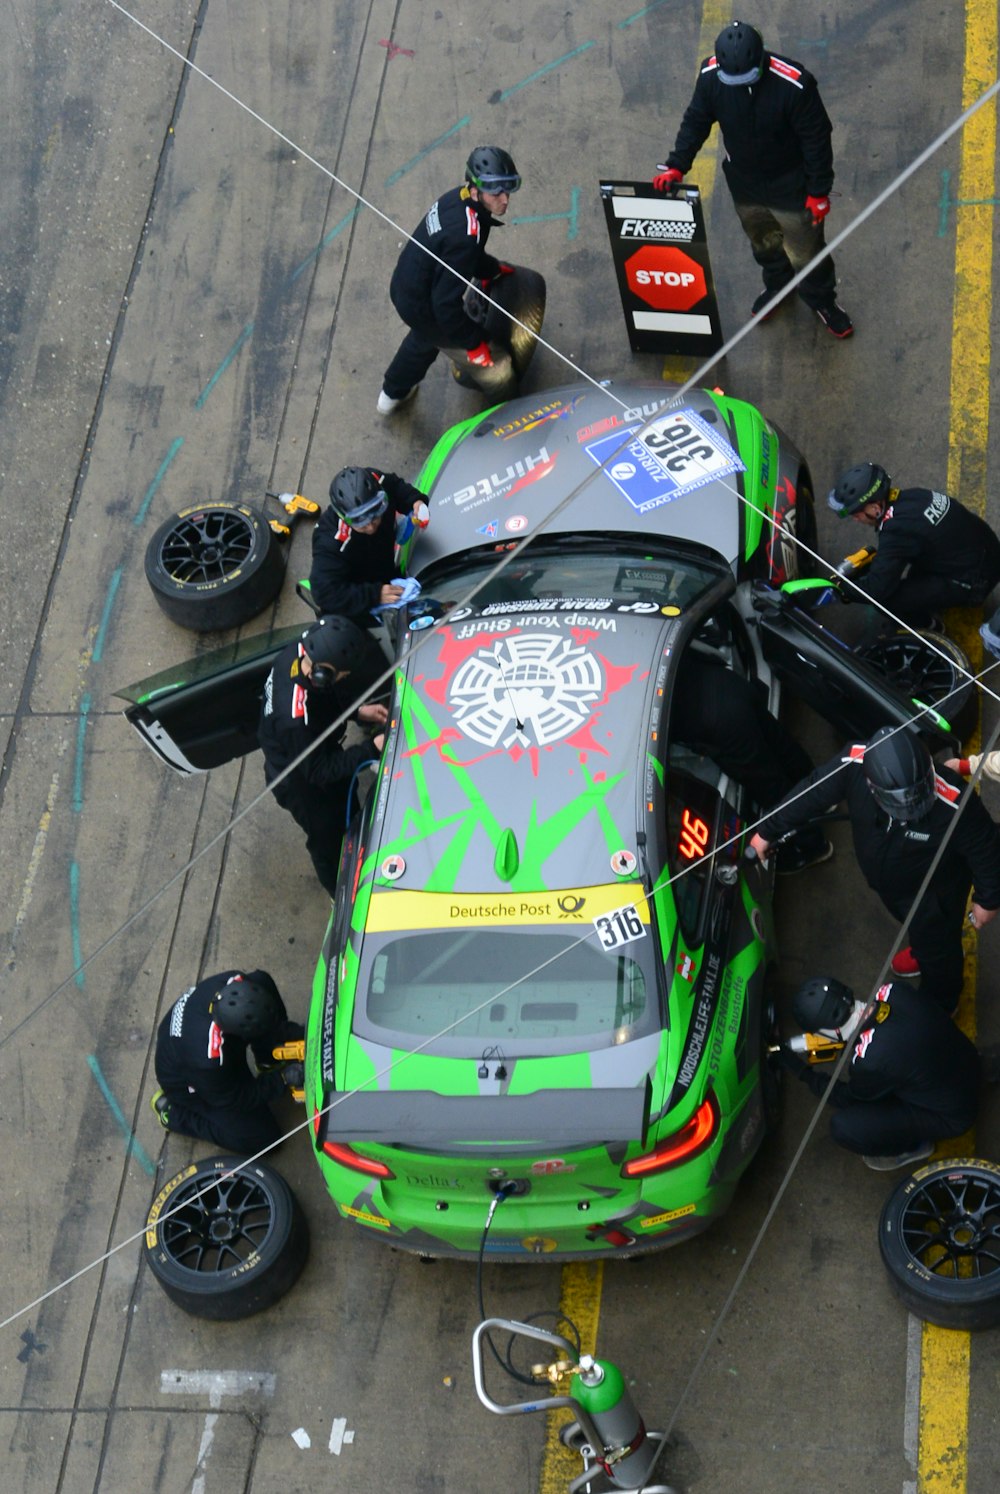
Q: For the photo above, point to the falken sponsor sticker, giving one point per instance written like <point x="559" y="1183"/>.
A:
<point x="655" y="1220"/>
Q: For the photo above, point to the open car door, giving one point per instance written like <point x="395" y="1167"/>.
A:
<point x="204" y="712"/>
<point x="852" y="692"/>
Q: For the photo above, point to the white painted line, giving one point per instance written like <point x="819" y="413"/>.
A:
<point x="911" y="1404"/>
<point x="207" y="1438"/>
<point x="34" y="862"/>
<point x="340" y="1435"/>
<point x="301" y="1437"/>
<point x="214" y="1384"/>
<point x="911" y="1399"/>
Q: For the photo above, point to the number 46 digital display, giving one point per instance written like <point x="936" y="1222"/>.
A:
<point x="693" y="837"/>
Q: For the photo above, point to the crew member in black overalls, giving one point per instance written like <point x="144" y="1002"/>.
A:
<point x="430" y="296"/>
<point x="207" y="1087"/>
<point x="778" y="165"/>
<point x="912" y="1079"/>
<point x="900" y="809"/>
<point x="312" y="683"/>
<point x="353" y="548"/>
<point x="932" y="551"/>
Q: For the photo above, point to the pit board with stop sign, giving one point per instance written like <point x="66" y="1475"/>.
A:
<point x="660" y="252"/>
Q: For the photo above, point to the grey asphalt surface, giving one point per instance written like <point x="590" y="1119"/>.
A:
<point x="192" y="310"/>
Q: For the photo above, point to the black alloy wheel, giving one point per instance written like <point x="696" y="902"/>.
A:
<point x="939" y="1236"/>
<point x="225" y="1238"/>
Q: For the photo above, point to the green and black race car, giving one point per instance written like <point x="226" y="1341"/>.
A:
<point x="546" y="973"/>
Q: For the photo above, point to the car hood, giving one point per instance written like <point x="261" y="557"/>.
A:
<point x="499" y="476"/>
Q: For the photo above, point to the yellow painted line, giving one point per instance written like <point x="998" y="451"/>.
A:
<point x="945" y="1355"/>
<point x="580" y="1301"/>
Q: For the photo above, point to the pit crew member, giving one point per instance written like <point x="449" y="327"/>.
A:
<point x="932" y="551"/>
<point x="427" y="289"/>
<point x="900" y="809"/>
<point x="912" y="1078"/>
<point x="207" y="1088"/>
<point x="779" y="163"/>
<point x="313" y="682"/>
<point x="353" y="568"/>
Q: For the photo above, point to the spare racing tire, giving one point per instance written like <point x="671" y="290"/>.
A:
<point x="939" y="1236"/>
<point x="226" y="1238"/>
<point x="522" y="295"/>
<point x="931" y="669"/>
<point x="214" y="566"/>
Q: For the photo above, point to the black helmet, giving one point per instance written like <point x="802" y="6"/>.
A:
<point x="822" y="1003"/>
<point x="247" y="1009"/>
<point x="900" y="773"/>
<point x="356" y="497"/>
<point x="492" y="170"/>
<point x="333" y="643"/>
<point x="865" y="483"/>
<point x="739" y="51"/>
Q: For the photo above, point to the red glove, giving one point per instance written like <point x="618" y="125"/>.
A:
<point x="481" y="356"/>
<point x="818" y="207"/>
<point x="503" y="269"/>
<point x="668" y="176"/>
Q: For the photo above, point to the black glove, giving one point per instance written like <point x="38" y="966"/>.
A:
<point x="791" y="1062"/>
<point x="294" y="1075"/>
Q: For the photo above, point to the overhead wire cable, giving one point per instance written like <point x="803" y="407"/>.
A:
<point x="695" y="378"/>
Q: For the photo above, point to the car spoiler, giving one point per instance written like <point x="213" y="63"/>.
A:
<point x="551" y="1117"/>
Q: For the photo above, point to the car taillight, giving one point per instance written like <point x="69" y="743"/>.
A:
<point x="340" y="1152"/>
<point x="699" y="1132"/>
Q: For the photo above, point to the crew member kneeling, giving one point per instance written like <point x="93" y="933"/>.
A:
<point x="913" y="1076"/>
<point x="207" y="1087"/>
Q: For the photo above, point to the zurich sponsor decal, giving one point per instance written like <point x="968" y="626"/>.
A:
<point x="676" y="454"/>
<point x="635" y="472"/>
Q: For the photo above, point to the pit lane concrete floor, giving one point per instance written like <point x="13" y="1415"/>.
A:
<point x="193" y="310"/>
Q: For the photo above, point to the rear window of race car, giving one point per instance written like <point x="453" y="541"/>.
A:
<point x="545" y="990"/>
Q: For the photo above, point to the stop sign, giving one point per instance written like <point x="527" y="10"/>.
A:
<point x="665" y="277"/>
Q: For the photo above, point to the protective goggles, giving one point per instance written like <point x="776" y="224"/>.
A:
<point x="739" y="80"/>
<point x="905" y="804"/>
<point x="369" y="512"/>
<point x="498" y="184"/>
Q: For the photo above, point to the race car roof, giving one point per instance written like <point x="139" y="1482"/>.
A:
<point x="515" y="758"/>
<point x="498" y="477"/>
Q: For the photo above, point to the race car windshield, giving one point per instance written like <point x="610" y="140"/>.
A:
<point x="578" y="578"/>
<point x="473" y="988"/>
